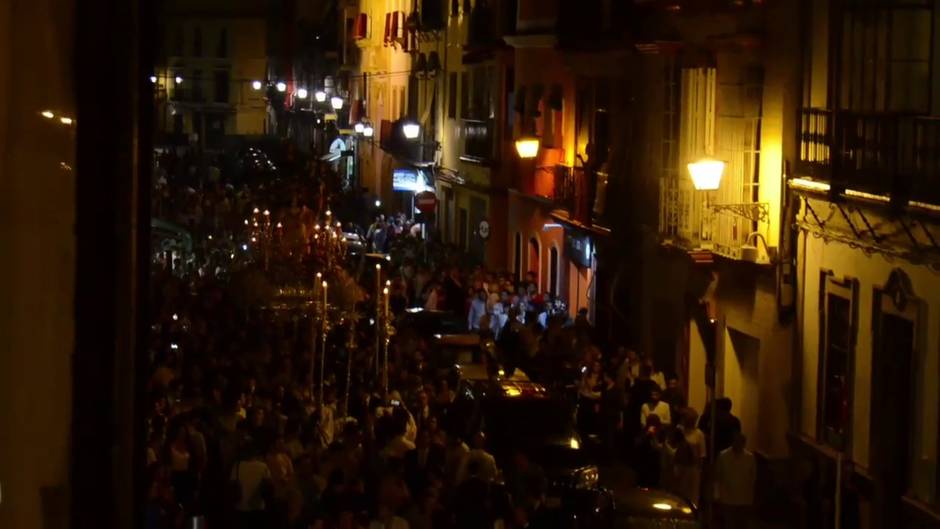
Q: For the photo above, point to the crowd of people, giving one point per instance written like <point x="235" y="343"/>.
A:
<point x="238" y="435"/>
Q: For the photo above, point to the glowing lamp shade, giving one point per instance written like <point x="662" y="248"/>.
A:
<point x="302" y="93"/>
<point x="706" y="174"/>
<point x="368" y="131"/>
<point x="256" y="85"/>
<point x="320" y="96"/>
<point x="411" y="130"/>
<point x="359" y="127"/>
<point x="281" y="86"/>
<point x="178" y="79"/>
<point x="336" y="102"/>
<point x="527" y="146"/>
<point x="153" y="78"/>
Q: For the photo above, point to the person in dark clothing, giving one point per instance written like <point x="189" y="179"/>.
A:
<point x="726" y="424"/>
<point x="454" y="294"/>
<point x="647" y="452"/>
<point x="673" y="396"/>
<point x="521" y="477"/>
<point x="639" y="394"/>
<point x="611" y="414"/>
<point x="425" y="463"/>
<point x="473" y="508"/>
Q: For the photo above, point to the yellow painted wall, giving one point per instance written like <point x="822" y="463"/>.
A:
<point x="871" y="271"/>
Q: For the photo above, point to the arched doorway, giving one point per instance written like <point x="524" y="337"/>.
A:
<point x="553" y="271"/>
<point x="534" y="262"/>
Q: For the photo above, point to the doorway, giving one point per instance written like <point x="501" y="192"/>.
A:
<point x="892" y="412"/>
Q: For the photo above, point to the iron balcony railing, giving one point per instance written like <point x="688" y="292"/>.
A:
<point x="580" y="192"/>
<point x="896" y="155"/>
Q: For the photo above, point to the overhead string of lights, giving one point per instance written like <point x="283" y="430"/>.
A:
<point x="258" y="84"/>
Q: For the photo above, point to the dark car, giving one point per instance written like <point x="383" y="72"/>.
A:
<point x="639" y="508"/>
<point x="634" y="508"/>
<point x="518" y="415"/>
<point x="434" y="322"/>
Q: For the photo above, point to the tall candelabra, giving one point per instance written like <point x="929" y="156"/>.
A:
<point x="263" y="233"/>
<point x="324" y="330"/>
<point x="329" y="243"/>
<point x="350" y="348"/>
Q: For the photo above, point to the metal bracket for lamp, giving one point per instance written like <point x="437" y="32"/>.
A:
<point x="755" y="211"/>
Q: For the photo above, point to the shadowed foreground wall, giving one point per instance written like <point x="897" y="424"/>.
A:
<point x="37" y="255"/>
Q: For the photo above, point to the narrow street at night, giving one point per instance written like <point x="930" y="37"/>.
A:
<point x="470" y="264"/>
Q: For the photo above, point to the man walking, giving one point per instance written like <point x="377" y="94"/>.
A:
<point x="736" y="475"/>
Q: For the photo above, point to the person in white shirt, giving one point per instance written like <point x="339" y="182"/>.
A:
<point x="254" y="477"/>
<point x="689" y="467"/>
<point x="485" y="462"/>
<point x="657" y="407"/>
<point x="736" y="476"/>
<point x="477" y="310"/>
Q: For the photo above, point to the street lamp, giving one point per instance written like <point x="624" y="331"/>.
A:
<point x="153" y="79"/>
<point x="706" y="174"/>
<point x="337" y="102"/>
<point x="178" y="79"/>
<point x="281" y="86"/>
<point x="256" y="85"/>
<point x="359" y="127"/>
<point x="320" y="96"/>
<point x="527" y="146"/>
<point x="368" y="131"/>
<point x="411" y="130"/>
<point x="302" y="93"/>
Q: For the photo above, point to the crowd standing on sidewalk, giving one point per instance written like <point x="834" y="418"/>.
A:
<point x="238" y="436"/>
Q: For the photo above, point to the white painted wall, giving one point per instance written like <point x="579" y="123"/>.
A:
<point x="872" y="272"/>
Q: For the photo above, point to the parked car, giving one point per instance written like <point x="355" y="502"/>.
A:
<point x="517" y="414"/>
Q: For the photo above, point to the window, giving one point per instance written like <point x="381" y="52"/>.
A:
<point x="197" y="42"/>
<point x="535" y="259"/>
<point x="838" y="324"/>
<point x="553" y="271"/>
<point x="179" y="92"/>
<point x="452" y="95"/>
<point x="412" y="108"/>
<point x="479" y="97"/>
<point x="178" y="42"/>
<point x="197" y="82"/>
<point x="510" y="99"/>
<point x="221" y="86"/>
<point x="465" y="94"/>
<point x="886" y="56"/>
<point x="221" y="50"/>
<point x="463" y="226"/>
<point x="401" y="101"/>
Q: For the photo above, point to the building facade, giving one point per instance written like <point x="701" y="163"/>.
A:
<point x="865" y="195"/>
<point x="210" y="80"/>
<point x="552" y="229"/>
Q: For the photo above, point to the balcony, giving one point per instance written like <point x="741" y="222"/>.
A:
<point x="580" y="193"/>
<point x="895" y="155"/>
<point x="478" y="141"/>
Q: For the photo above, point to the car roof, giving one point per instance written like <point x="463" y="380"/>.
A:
<point x="460" y="340"/>
<point x="478" y="373"/>
<point x="652" y="503"/>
